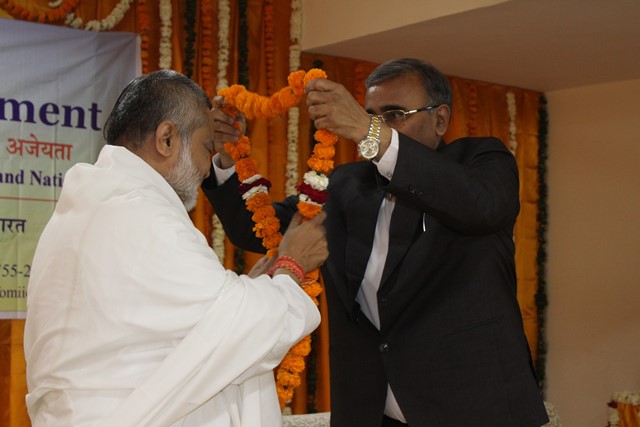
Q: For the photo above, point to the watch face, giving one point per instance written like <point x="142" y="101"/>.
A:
<point x="368" y="148"/>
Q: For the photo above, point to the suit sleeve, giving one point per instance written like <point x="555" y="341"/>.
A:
<point x="470" y="185"/>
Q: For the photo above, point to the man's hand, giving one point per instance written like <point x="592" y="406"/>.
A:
<point x="226" y="130"/>
<point x="333" y="108"/>
<point x="306" y="242"/>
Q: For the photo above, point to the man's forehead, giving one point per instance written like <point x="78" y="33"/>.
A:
<point x="397" y="91"/>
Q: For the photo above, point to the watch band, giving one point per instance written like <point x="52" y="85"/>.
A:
<point x="368" y="148"/>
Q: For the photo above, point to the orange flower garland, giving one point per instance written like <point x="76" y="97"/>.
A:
<point x="254" y="190"/>
<point x="50" y="16"/>
<point x="53" y="15"/>
<point x="144" y="22"/>
<point x="206" y="13"/>
<point x="472" y="124"/>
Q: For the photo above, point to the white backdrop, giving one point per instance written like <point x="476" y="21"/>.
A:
<point x="57" y="87"/>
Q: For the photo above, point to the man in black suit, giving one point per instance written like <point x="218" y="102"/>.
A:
<point x="424" y="324"/>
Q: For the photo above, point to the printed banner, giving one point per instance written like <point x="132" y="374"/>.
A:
<point x="57" y="87"/>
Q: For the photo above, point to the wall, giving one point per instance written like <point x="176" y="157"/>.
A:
<point x="593" y="237"/>
<point x="373" y="16"/>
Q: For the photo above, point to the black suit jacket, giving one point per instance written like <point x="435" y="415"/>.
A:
<point x="451" y="342"/>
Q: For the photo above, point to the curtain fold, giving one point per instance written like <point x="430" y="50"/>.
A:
<point x="479" y="108"/>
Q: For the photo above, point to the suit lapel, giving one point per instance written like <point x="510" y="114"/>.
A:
<point x="404" y="223"/>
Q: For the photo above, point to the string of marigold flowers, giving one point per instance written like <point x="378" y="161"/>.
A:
<point x="254" y="190"/>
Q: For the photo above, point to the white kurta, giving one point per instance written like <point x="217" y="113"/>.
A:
<point x="133" y="321"/>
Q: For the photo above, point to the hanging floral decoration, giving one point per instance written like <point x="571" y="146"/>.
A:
<point x="269" y="44"/>
<point x="243" y="42"/>
<point x="224" y="18"/>
<point x="59" y="10"/>
<point x="144" y="20"/>
<point x="269" y="56"/>
<point x="190" y="8"/>
<point x="254" y="189"/>
<point x="106" y="24"/>
<point x="627" y="404"/>
<point x="359" y="92"/>
<point x="295" y="33"/>
<point x="511" y="109"/>
<point x="541" y="256"/>
<point x="472" y="123"/>
<point x="165" y="34"/>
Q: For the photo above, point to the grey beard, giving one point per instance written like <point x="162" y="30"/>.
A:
<point x="185" y="179"/>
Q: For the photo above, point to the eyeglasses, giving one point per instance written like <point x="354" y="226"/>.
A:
<point x="398" y="117"/>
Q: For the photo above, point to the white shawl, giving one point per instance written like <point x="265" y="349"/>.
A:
<point x="133" y="321"/>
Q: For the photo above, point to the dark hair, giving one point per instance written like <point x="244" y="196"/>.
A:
<point x="150" y="99"/>
<point x="435" y="83"/>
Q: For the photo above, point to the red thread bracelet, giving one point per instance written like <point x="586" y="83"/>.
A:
<point x="290" y="264"/>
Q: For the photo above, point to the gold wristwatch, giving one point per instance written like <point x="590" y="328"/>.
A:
<point x="368" y="148"/>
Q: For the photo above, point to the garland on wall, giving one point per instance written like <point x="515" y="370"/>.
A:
<point x="105" y="24"/>
<point x="243" y="79"/>
<point x="207" y="47"/>
<point x="511" y="109"/>
<point x="165" y="34"/>
<point x="144" y="18"/>
<point x="541" y="258"/>
<point x="295" y="34"/>
<point x="627" y="404"/>
<point x="190" y="9"/>
<point x="224" y="21"/>
<point x="65" y="10"/>
<point x="59" y="11"/>
<point x="472" y="105"/>
<point x="243" y="43"/>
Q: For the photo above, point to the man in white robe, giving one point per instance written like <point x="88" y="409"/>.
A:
<point x="131" y="318"/>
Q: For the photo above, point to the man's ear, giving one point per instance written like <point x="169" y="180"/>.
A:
<point x="165" y="139"/>
<point x="443" y="116"/>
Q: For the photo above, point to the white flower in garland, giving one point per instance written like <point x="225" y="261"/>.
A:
<point x="511" y="108"/>
<point x="317" y="181"/>
<point x="105" y="24"/>
<point x="307" y="199"/>
<point x="255" y="190"/>
<point x="165" y="34"/>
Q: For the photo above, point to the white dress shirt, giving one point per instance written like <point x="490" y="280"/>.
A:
<point x="367" y="294"/>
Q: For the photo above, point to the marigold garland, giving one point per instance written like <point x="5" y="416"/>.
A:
<point x="144" y="20"/>
<point x="254" y="190"/>
<point x="57" y="13"/>
<point x="472" y="123"/>
<point x="511" y="109"/>
<point x="190" y="7"/>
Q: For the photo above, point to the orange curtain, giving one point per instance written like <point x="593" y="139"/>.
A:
<point x="479" y="107"/>
<point x="629" y="415"/>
